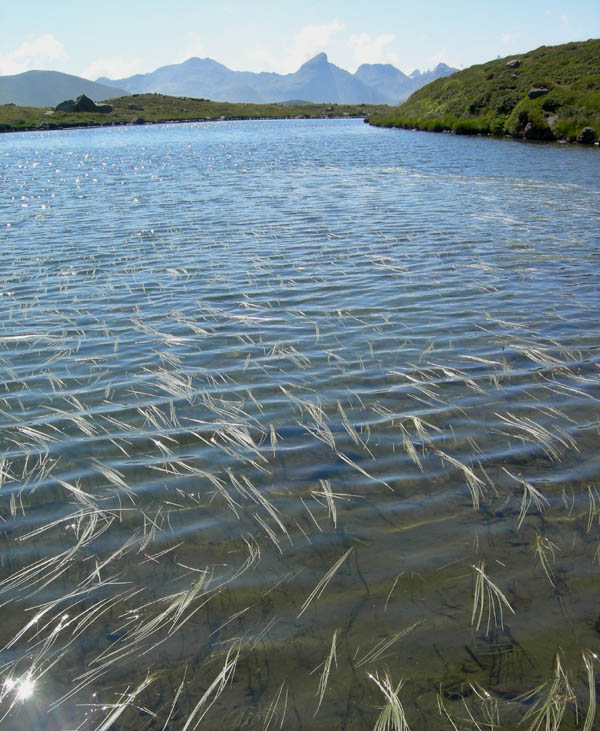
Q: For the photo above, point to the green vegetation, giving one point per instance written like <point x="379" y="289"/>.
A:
<point x="552" y="93"/>
<point x="153" y="108"/>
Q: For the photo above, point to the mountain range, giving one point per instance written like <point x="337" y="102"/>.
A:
<point x="317" y="80"/>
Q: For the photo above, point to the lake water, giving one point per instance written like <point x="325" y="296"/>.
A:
<point x="299" y="421"/>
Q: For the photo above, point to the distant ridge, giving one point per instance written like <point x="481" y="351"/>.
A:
<point x="395" y="85"/>
<point x="317" y="80"/>
<point x="49" y="88"/>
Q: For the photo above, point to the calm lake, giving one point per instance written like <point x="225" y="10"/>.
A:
<point x="299" y="429"/>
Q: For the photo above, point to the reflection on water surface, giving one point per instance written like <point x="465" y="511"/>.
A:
<point x="299" y="429"/>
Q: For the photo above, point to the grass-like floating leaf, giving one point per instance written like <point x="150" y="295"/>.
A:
<point x="320" y="587"/>
<point x="331" y="658"/>
<point x="589" y="658"/>
<point x="383" y="646"/>
<point x="487" y="594"/>
<point x="547" y="711"/>
<point x="392" y="716"/>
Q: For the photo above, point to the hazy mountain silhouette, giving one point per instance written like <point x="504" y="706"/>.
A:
<point x="393" y="84"/>
<point x="317" y="80"/>
<point x="49" y="88"/>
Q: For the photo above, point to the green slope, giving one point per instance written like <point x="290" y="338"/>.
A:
<point x="152" y="108"/>
<point x="551" y="93"/>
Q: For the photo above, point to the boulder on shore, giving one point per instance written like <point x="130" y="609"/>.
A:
<point x="82" y="104"/>
<point x="587" y="136"/>
<point x="67" y="106"/>
<point x="537" y="131"/>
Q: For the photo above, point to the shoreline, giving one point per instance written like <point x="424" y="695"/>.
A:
<point x="488" y="135"/>
<point x="83" y="125"/>
<point x="142" y="109"/>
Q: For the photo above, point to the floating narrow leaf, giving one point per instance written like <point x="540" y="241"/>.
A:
<point x="320" y="587"/>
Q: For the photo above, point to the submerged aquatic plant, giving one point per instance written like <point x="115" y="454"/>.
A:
<point x="392" y="716"/>
<point x="589" y="659"/>
<point x="487" y="596"/>
<point x="331" y="658"/>
<point x="545" y="552"/>
<point x="475" y="484"/>
<point x="384" y="645"/>
<point x="530" y="495"/>
<point x="322" y="584"/>
<point x="550" y="701"/>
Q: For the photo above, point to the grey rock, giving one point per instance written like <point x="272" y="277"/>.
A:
<point x="535" y="132"/>
<point x="587" y="136"/>
<point x="514" y="64"/>
<point x="537" y="91"/>
<point x="135" y="107"/>
<point x="84" y="104"/>
<point x="67" y="106"/>
<point x="138" y="120"/>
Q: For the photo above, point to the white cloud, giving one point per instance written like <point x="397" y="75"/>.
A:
<point x="564" y="20"/>
<point x="113" y="68"/>
<point x="372" y="49"/>
<point x="309" y="41"/>
<point x="38" y="53"/>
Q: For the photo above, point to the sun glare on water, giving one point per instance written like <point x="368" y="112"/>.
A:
<point x="23" y="687"/>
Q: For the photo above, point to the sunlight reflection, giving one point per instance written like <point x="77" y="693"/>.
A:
<point x="23" y="687"/>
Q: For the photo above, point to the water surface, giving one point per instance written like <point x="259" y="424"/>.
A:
<point x="291" y="412"/>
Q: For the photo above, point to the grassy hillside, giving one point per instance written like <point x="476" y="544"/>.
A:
<point x="140" y="108"/>
<point x="551" y="93"/>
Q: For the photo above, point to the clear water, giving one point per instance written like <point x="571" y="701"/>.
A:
<point x="274" y="389"/>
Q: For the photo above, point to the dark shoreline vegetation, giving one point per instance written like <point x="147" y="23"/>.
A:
<point x="160" y="108"/>
<point x="551" y="93"/>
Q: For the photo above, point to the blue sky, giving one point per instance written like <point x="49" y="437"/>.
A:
<point x="117" y="39"/>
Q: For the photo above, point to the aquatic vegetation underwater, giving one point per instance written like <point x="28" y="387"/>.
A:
<point x="310" y="471"/>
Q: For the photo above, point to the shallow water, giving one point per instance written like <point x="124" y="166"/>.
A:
<point x="278" y="400"/>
